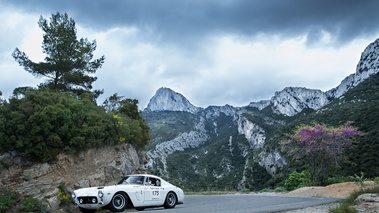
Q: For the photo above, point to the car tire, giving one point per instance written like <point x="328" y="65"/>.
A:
<point x="170" y="201"/>
<point x="87" y="210"/>
<point x="118" y="203"/>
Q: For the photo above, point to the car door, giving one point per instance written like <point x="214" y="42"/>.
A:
<point x="153" y="191"/>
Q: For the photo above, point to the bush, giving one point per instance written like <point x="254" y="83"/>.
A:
<point x="63" y="195"/>
<point x="295" y="179"/>
<point x="44" y="123"/>
<point x="30" y="204"/>
<point x="280" y="189"/>
<point x="7" y="199"/>
<point x="245" y="191"/>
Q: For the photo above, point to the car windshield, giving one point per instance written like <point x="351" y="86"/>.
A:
<point x="132" y="180"/>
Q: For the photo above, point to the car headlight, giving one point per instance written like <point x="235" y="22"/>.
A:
<point x="94" y="200"/>
<point x="100" y="194"/>
<point x="73" y="195"/>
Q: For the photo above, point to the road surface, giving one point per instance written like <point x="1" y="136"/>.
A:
<point x="242" y="203"/>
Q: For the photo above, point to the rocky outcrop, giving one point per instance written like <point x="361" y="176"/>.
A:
<point x="293" y="100"/>
<point x="94" y="167"/>
<point x="367" y="66"/>
<point x="368" y="203"/>
<point x="260" y="105"/>
<point x="166" y="99"/>
<point x="253" y="133"/>
<point x="215" y="111"/>
<point x="183" y="141"/>
<point x="271" y="161"/>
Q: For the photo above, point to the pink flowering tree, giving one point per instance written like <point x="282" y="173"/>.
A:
<point x="321" y="146"/>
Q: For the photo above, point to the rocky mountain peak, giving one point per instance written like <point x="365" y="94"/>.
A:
<point x="166" y="99"/>
<point x="367" y="66"/>
<point x="292" y="100"/>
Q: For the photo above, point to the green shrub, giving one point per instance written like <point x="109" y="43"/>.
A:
<point x="376" y="180"/>
<point x="42" y="123"/>
<point x="295" y="179"/>
<point x="5" y="165"/>
<point x="280" y="189"/>
<point x="360" y="180"/>
<point x="63" y="195"/>
<point x="30" y="204"/>
<point x="343" y="208"/>
<point x="245" y="191"/>
<point x="7" y="199"/>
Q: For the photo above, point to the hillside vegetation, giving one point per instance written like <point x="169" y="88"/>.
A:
<point x="360" y="105"/>
<point x="43" y="123"/>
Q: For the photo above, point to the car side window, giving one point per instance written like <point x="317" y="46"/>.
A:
<point x="140" y="180"/>
<point x="155" y="182"/>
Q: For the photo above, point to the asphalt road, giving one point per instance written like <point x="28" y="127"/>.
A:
<point x="242" y="203"/>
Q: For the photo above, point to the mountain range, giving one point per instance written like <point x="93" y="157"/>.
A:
<point x="229" y="148"/>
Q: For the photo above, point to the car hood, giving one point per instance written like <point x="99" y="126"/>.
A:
<point x="92" y="191"/>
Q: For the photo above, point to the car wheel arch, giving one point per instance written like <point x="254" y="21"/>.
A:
<point x="130" y="202"/>
<point x="166" y="203"/>
<point x="125" y="195"/>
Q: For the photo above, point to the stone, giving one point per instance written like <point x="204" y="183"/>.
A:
<point x="368" y="203"/>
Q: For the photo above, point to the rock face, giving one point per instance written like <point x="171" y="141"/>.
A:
<point x="293" y="100"/>
<point x="166" y="99"/>
<point x="184" y="141"/>
<point x="367" y="66"/>
<point x="94" y="167"/>
<point x="368" y="203"/>
<point x="253" y="133"/>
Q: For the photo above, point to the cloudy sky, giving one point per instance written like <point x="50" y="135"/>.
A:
<point x="214" y="52"/>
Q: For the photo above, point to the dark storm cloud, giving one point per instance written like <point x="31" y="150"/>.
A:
<point x="213" y="52"/>
<point x="190" y="20"/>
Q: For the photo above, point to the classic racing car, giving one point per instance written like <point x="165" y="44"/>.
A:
<point x="133" y="191"/>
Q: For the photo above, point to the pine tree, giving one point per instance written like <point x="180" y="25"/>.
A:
<point x="68" y="65"/>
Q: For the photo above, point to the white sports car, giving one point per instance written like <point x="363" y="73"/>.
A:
<point x="133" y="191"/>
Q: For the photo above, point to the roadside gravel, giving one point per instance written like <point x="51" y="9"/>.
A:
<point x="315" y="209"/>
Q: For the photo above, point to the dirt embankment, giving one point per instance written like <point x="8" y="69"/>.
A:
<point x="338" y="190"/>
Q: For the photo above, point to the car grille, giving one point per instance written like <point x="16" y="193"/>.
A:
<point x="87" y="200"/>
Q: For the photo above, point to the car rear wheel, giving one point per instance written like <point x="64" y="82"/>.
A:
<point x="118" y="203"/>
<point x="170" y="201"/>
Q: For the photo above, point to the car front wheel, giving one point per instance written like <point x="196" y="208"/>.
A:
<point x="170" y="201"/>
<point x="118" y="203"/>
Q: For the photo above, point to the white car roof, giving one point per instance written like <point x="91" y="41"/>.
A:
<point x="153" y="176"/>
